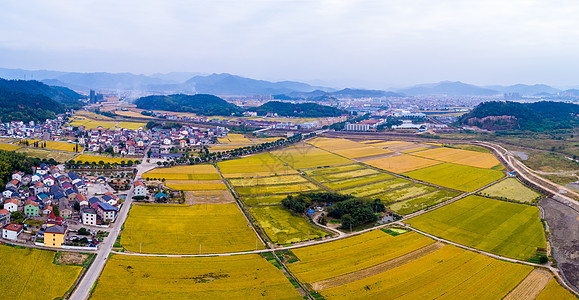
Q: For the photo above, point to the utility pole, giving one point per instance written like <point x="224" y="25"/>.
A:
<point x="140" y="247"/>
<point x="350" y="227"/>
<point x="199" y="249"/>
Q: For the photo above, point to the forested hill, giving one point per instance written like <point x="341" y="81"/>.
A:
<point x="297" y="110"/>
<point x="201" y="104"/>
<point x="32" y="87"/>
<point x="538" y="116"/>
<point x="27" y="107"/>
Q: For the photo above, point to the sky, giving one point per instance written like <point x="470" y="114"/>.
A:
<point x="379" y="44"/>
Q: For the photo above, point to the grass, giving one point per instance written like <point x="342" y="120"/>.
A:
<point x="8" y="147"/>
<point x="283" y="227"/>
<point x="195" y="172"/>
<point x="348" y="183"/>
<point x="180" y="229"/>
<point x="405" y="192"/>
<point x="448" y="272"/>
<point x="328" y="170"/>
<point x="263" y="200"/>
<point x="47" y="154"/>
<point x="303" y="157"/>
<point x="503" y="228"/>
<point x="462" y="157"/>
<point x="263" y="164"/>
<point x="355" y="253"/>
<point x="344" y="175"/>
<point x="276" y="189"/>
<point x="375" y="188"/>
<point x="415" y="204"/>
<point x="24" y="269"/>
<point x="401" y="163"/>
<point x="458" y="177"/>
<point x="267" y="180"/>
<point x="511" y="189"/>
<point x="229" y="277"/>
<point x="105" y="159"/>
<point x="554" y="290"/>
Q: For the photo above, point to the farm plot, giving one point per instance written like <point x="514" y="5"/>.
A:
<point x="405" y="192"/>
<point x="267" y="180"/>
<point x="458" y="177"/>
<point x="283" y="227"/>
<point x="54" y="145"/>
<point x="208" y="197"/>
<point x="182" y="229"/>
<point x="329" y="260"/>
<point x="347" y="148"/>
<point x="448" y="272"/>
<point x="461" y="157"/>
<point x="304" y="157"/>
<point x="511" y="189"/>
<point x="47" y="154"/>
<point x="276" y="189"/>
<point x="196" y="185"/>
<point x="555" y="291"/>
<point x="402" y="163"/>
<point x="263" y="164"/>
<point x="356" y="181"/>
<point x="132" y="114"/>
<point x="90" y="123"/>
<point x="228" y="277"/>
<point x="344" y="175"/>
<point x="336" y="169"/>
<point x="8" y="147"/>
<point x="106" y="159"/>
<point x="131" y="125"/>
<point x="23" y="269"/>
<point x="503" y="228"/>
<point x="376" y="188"/>
<point x="263" y="200"/>
<point x="415" y="204"/>
<point x="195" y="172"/>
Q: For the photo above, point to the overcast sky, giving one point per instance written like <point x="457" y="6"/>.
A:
<point x="366" y="43"/>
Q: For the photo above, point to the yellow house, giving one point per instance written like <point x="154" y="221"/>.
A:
<point x="54" y="236"/>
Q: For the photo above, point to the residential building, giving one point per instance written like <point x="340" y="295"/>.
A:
<point x="88" y="216"/>
<point x="4" y="217"/>
<point x="11" y="205"/>
<point x="107" y="212"/>
<point x="140" y="189"/>
<point x="54" y="236"/>
<point x="31" y="208"/>
<point x="12" y="231"/>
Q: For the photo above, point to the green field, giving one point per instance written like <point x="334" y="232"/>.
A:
<point x="263" y="200"/>
<point x="347" y="183"/>
<point x="229" y="277"/>
<point x="328" y="170"/>
<point x="181" y="229"/>
<point x="301" y="157"/>
<point x="47" y="154"/>
<point x="239" y="182"/>
<point x="458" y="177"/>
<point x="344" y="175"/>
<point x="24" y="269"/>
<point x="284" y="227"/>
<point x="511" y="189"/>
<point x="503" y="228"/>
<point x="449" y="272"/>
<point x="276" y="189"/>
<point x="415" y="204"/>
<point x="405" y="192"/>
<point x="263" y="164"/>
<point x="375" y="188"/>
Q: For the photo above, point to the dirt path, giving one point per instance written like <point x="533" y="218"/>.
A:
<point x="377" y="269"/>
<point x="531" y="286"/>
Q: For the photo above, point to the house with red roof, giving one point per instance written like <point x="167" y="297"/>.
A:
<point x="12" y="231"/>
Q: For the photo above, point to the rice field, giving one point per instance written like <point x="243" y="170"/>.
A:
<point x="304" y="157"/>
<point x="405" y="192"/>
<point x="132" y="114"/>
<point x="263" y="164"/>
<point x="458" y="177"/>
<point x="24" y="269"/>
<point x="503" y="228"/>
<point x="60" y="157"/>
<point x="227" y="277"/>
<point x="418" y="203"/>
<point x="356" y="181"/>
<point x="131" y="125"/>
<point x="90" y="123"/>
<point x="554" y="290"/>
<point x="194" y="172"/>
<point x="324" y="261"/>
<point x="448" y="272"/>
<point x="263" y="200"/>
<point x="8" y="147"/>
<point x="347" y="148"/>
<point x="106" y="159"/>
<point x="195" y="185"/>
<point x="216" y="228"/>
<point x="344" y="175"/>
<point x="511" y="189"/>
<point x="376" y="188"/>
<point x="276" y="189"/>
<point x="283" y="227"/>
<point x="402" y="163"/>
<point x="335" y="169"/>
<point x="461" y="157"/>
<point x="239" y="182"/>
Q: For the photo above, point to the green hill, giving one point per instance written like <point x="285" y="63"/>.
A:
<point x="32" y="87"/>
<point x="201" y="104"/>
<point x="297" y="110"/>
<point x="27" y="107"/>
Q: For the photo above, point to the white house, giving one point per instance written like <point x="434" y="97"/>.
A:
<point x="48" y="181"/>
<point x="140" y="189"/>
<point x="11" y="205"/>
<point x="89" y="216"/>
<point x="12" y="231"/>
<point x="17" y="175"/>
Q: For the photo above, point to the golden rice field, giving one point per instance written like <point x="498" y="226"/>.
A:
<point x="105" y="159"/>
<point x="133" y="114"/>
<point x="24" y="269"/>
<point x="402" y="163"/>
<point x="284" y="227"/>
<point x="458" y="177"/>
<point x="405" y="192"/>
<point x="90" y="123"/>
<point x="276" y="189"/>
<point x="344" y="175"/>
<point x="376" y="188"/>
<point x="356" y="181"/>
<point x="8" y="147"/>
<point x="355" y="253"/>
<point x="461" y="157"/>
<point x="195" y="185"/>
<point x="131" y="125"/>
<point x="511" y="189"/>
<point x="503" y="228"/>
<point x="304" y="157"/>
<point x="54" y="145"/>
<point x="239" y="182"/>
<point x="347" y="148"/>
<point x="198" y="172"/>
<point x="91" y="115"/>
<point x="449" y="272"/>
<point x="421" y="202"/>
<point x="218" y="228"/>
<point x="554" y="290"/>
<point x="263" y="164"/>
<point x="229" y="277"/>
<point x="335" y="169"/>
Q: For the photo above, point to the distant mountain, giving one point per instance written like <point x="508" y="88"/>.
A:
<point x="448" y="88"/>
<point x="202" y="104"/>
<point x="15" y="106"/>
<point x="176" y="77"/>
<point x="20" y="74"/>
<point x="525" y="90"/>
<point x="538" y="116"/>
<point x="360" y="93"/>
<point x="297" y="110"/>
<point x="108" y="81"/>
<point x="33" y="87"/>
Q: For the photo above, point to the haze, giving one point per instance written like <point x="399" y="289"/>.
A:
<point x="369" y="44"/>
